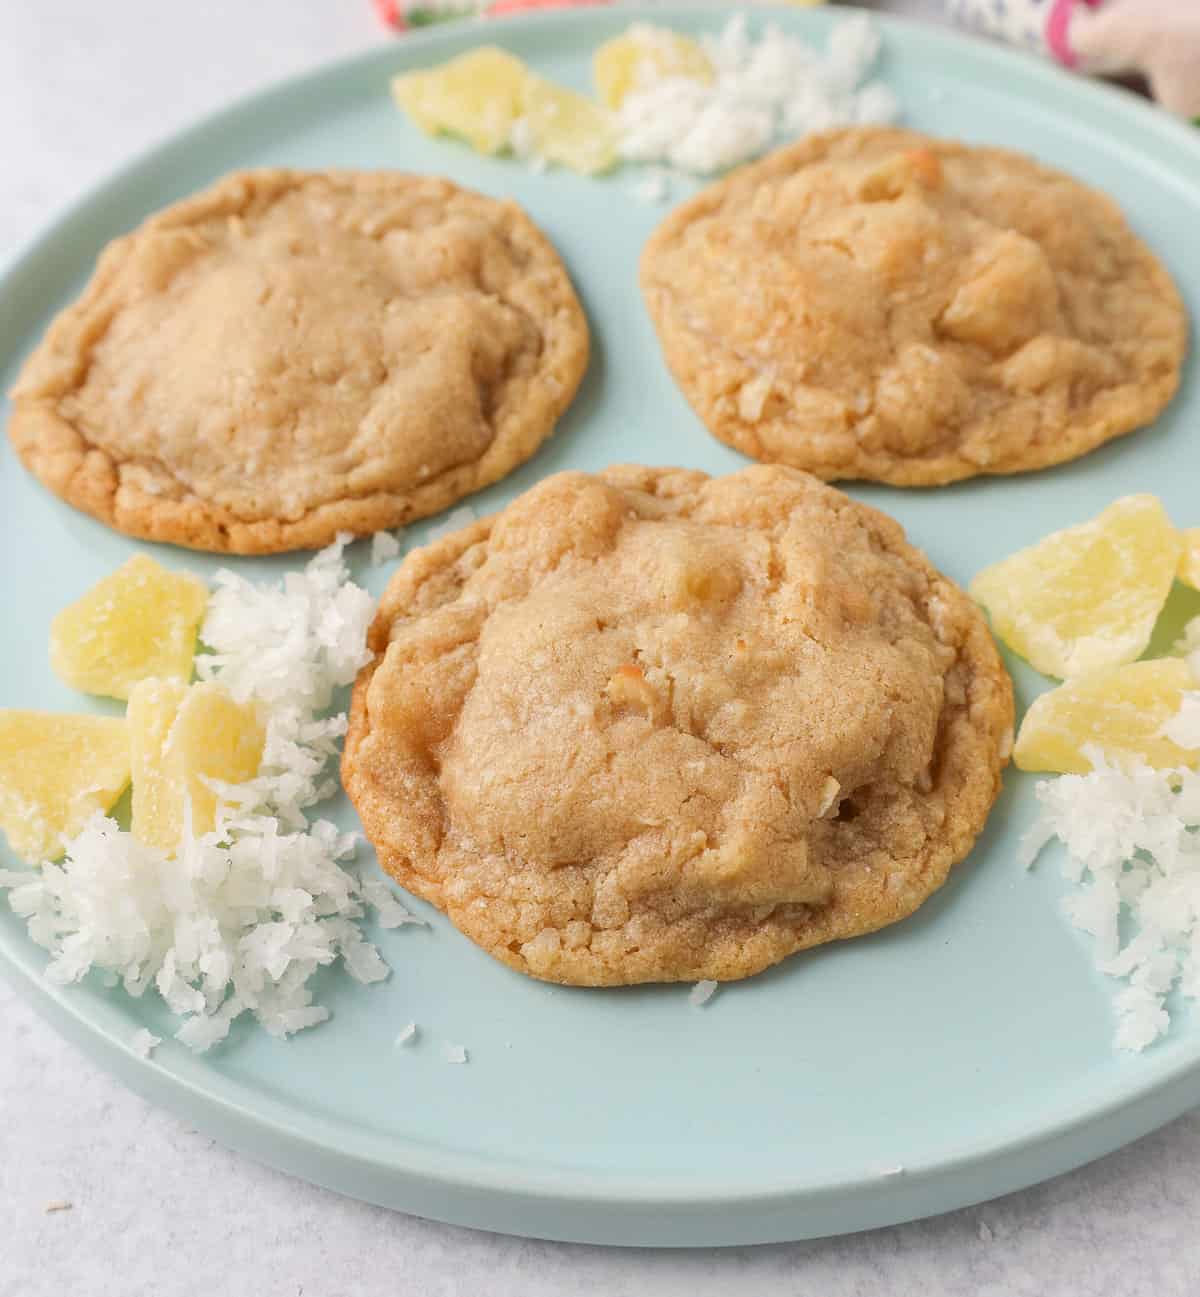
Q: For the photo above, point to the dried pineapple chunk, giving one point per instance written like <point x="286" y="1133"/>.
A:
<point x="568" y="129"/>
<point x="643" y="54"/>
<point x="477" y="96"/>
<point x="153" y="706"/>
<point x="1085" y="598"/>
<point x="1121" y="710"/>
<point x="55" y="771"/>
<point x="490" y="98"/>
<point x="178" y="735"/>
<point x="138" y="622"/>
<point x="1189" y="565"/>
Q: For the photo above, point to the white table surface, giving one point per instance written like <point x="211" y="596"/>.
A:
<point x="158" y="1209"/>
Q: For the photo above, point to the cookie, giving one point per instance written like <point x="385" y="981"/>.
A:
<point x="877" y="304"/>
<point x="289" y="355"/>
<point x="650" y="726"/>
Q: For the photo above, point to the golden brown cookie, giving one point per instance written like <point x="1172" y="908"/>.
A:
<point x="877" y="304"/>
<point x="655" y="726"/>
<point x="289" y="354"/>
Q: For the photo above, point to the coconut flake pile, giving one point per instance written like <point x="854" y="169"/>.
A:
<point x="777" y="86"/>
<point x="1132" y="836"/>
<point x="244" y="916"/>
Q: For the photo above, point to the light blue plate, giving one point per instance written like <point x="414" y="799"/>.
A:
<point x="969" y="1046"/>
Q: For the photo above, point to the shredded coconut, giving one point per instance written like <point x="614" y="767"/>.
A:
<point x="763" y="90"/>
<point x="240" y="920"/>
<point x="1189" y="645"/>
<point x="389" y="913"/>
<point x="1184" y="727"/>
<point x="406" y="1036"/>
<point x="291" y="644"/>
<point x="384" y="545"/>
<point x="1132" y="836"/>
<point x="144" y="1043"/>
<point x="454" y="1053"/>
<point x="521" y="140"/>
<point x="524" y="145"/>
<point x="652" y="188"/>
<point x="701" y="993"/>
<point x="57" y="1204"/>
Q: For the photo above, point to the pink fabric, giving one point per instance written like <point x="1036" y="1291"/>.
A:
<point x="389" y="12"/>
<point x="1058" y="25"/>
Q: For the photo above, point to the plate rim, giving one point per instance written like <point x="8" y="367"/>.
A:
<point x="480" y="1181"/>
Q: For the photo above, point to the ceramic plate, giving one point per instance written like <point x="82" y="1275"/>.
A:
<point x="951" y="1058"/>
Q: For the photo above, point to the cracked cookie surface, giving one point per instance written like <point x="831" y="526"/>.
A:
<point x="878" y="304"/>
<point x="653" y="726"/>
<point x="287" y="355"/>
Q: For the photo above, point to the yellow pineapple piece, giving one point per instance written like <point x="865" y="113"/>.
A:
<point x="55" y="771"/>
<point x="476" y="96"/>
<point x="179" y="735"/>
<point x="141" y="621"/>
<point x="643" y="54"/>
<point x="153" y="706"/>
<point x="1189" y="565"/>
<point x="1121" y="710"/>
<point x="489" y="98"/>
<point x="568" y="129"/>
<point x="1085" y="598"/>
